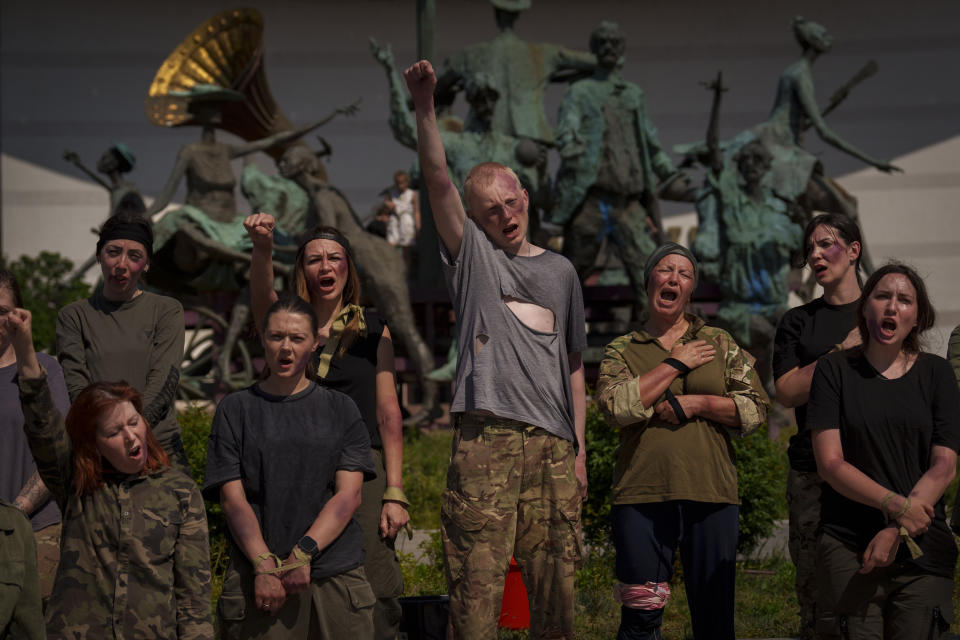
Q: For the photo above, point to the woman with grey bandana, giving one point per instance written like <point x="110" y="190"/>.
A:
<point x="677" y="390"/>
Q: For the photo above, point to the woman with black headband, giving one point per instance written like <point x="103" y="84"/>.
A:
<point x="356" y="358"/>
<point x="677" y="389"/>
<point x="125" y="333"/>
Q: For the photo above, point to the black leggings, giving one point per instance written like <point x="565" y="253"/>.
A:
<point x="646" y="538"/>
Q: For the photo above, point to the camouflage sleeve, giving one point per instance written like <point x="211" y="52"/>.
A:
<point x="743" y="385"/>
<point x="191" y="571"/>
<point x="618" y="394"/>
<point x="45" y="431"/>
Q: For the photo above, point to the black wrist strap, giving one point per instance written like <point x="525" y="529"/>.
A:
<point x="677" y="409"/>
<point x="679" y="366"/>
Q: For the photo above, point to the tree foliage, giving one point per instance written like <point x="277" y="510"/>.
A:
<point x="46" y="288"/>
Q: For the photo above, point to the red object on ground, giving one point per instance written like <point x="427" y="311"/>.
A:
<point x="515" y="609"/>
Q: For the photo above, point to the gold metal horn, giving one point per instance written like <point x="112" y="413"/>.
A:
<point x="226" y="51"/>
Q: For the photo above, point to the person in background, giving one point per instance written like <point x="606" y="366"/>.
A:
<point x="832" y="251"/>
<point x="136" y="557"/>
<point x="287" y="459"/>
<point x="404" y="224"/>
<point x="885" y="418"/>
<point x="20" y="482"/>
<point x="125" y="333"/>
<point x="677" y="390"/>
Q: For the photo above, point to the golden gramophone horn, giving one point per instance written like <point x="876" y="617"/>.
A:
<point x="225" y="51"/>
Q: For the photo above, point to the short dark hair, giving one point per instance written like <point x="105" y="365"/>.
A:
<point x="926" y="315"/>
<point x="9" y="281"/>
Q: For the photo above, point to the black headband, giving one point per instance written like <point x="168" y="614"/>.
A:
<point x="326" y="235"/>
<point x="127" y="231"/>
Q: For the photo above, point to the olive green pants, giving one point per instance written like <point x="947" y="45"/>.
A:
<point x="340" y="606"/>
<point x="380" y="560"/>
<point x="889" y="603"/>
<point x="511" y="490"/>
<point x="803" y="499"/>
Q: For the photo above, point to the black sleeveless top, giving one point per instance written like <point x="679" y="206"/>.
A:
<point x="355" y="374"/>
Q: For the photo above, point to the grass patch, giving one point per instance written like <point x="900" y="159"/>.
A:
<point x="425" y="459"/>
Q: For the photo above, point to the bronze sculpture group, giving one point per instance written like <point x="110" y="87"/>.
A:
<point x="758" y="187"/>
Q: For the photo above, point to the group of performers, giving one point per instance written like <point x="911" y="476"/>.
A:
<point x="306" y="462"/>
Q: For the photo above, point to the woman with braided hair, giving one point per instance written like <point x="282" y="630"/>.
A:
<point x="287" y="459"/>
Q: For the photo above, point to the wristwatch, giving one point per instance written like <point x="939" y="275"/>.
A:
<point x="308" y="545"/>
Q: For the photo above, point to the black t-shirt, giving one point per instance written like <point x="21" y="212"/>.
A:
<point x="355" y="374"/>
<point x="805" y="333"/>
<point x="887" y="430"/>
<point x="287" y="450"/>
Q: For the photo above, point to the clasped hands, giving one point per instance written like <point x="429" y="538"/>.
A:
<point x="909" y="514"/>
<point x="274" y="583"/>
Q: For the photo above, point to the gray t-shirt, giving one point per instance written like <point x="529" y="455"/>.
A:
<point x="517" y="372"/>
<point x="139" y="341"/>
<point x="287" y="450"/>
<point x="16" y="462"/>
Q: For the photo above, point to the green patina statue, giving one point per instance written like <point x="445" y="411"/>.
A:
<point x="745" y="238"/>
<point x="479" y="142"/>
<point x="795" y="173"/>
<point x="113" y="163"/>
<point x="612" y="167"/>
<point x="200" y="242"/>
<point x="521" y="72"/>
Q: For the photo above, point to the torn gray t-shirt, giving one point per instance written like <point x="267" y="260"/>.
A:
<point x="504" y="366"/>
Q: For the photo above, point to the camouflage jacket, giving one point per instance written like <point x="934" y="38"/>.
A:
<point x="134" y="559"/>
<point x="21" y="614"/>
<point x="657" y="460"/>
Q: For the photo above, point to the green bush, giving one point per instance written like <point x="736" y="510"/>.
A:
<point x="602" y="443"/>
<point x="762" y="485"/>
<point x="761" y="470"/>
<point x="426" y="456"/>
<point x="195" y="430"/>
<point x="45" y="288"/>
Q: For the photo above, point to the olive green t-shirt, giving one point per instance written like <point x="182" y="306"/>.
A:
<point x="659" y="461"/>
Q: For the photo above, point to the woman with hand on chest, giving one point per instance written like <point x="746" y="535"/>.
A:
<point x="676" y="390"/>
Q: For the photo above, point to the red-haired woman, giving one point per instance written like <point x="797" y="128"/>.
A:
<point x="135" y="557"/>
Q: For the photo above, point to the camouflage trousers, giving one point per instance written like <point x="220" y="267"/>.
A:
<point x="623" y="222"/>
<point x="803" y="498"/>
<point x="48" y="557"/>
<point x="511" y="489"/>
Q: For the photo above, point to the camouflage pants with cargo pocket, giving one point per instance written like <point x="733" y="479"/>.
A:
<point x="511" y="490"/>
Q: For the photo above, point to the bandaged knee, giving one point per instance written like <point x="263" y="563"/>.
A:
<point x="648" y="596"/>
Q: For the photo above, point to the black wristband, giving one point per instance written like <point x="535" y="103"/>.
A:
<point x="679" y="366"/>
<point x="677" y="409"/>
